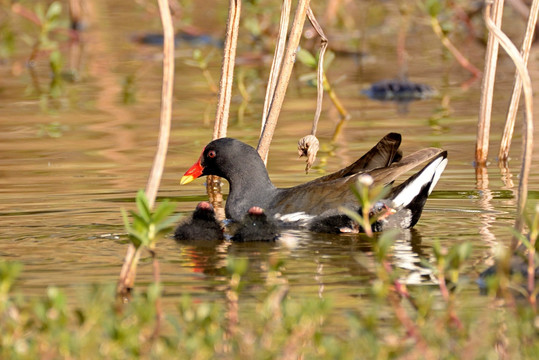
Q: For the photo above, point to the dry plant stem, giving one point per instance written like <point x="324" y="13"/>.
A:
<point x="166" y="103"/>
<point x="227" y="69"/>
<point x="462" y="60"/>
<point x="276" y="63"/>
<point x="225" y="94"/>
<point x="487" y="87"/>
<point x="284" y="77"/>
<point x="527" y="142"/>
<point x="320" y="70"/>
<point x="505" y="145"/>
<point x="128" y="272"/>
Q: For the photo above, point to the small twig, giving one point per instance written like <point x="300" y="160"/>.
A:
<point x="309" y="145"/>
<point x="487" y="87"/>
<point x="320" y="70"/>
<point x="505" y="145"/>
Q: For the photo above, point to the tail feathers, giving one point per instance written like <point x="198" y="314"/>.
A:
<point x="406" y="193"/>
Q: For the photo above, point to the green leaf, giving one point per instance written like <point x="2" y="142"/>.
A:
<point x="433" y="7"/>
<point x="522" y="238"/>
<point x="54" y="11"/>
<point x="143" y="206"/>
<point x="465" y="250"/>
<point x="328" y="59"/>
<point x="165" y="209"/>
<point x="237" y="265"/>
<point x="378" y="193"/>
<point x="352" y="214"/>
<point x="127" y="224"/>
<point x="385" y="242"/>
<point x="168" y="223"/>
<point x="306" y="58"/>
<point x="56" y="62"/>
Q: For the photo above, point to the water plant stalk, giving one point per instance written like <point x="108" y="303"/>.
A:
<point x="284" y="78"/>
<point x="527" y="142"/>
<point x="487" y="86"/>
<point x="505" y="145"/>
<point x="213" y="187"/>
<point x="276" y="64"/>
<point x="227" y="69"/>
<point x="128" y="272"/>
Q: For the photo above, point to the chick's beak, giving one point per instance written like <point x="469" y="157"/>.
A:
<point x="191" y="174"/>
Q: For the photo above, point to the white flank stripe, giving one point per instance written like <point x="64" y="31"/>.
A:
<point x="297" y="217"/>
<point x="439" y="170"/>
<point x="429" y="173"/>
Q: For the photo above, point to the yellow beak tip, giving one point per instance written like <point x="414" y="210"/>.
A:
<point x="186" y="179"/>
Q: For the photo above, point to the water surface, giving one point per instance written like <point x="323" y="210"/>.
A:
<point x="69" y="164"/>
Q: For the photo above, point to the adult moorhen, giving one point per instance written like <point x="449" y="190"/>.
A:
<point x="256" y="226"/>
<point x="202" y="225"/>
<point x="251" y="186"/>
<point x="401" y="209"/>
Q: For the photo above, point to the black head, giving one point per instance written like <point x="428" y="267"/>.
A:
<point x="226" y="157"/>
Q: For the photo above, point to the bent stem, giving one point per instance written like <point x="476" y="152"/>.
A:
<point x="527" y="142"/>
<point x="505" y="145"/>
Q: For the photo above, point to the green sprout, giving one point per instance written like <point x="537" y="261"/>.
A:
<point x="148" y="226"/>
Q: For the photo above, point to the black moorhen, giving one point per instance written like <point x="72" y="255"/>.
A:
<point x="401" y="209"/>
<point x="201" y="226"/>
<point x="251" y="186"/>
<point x="256" y="226"/>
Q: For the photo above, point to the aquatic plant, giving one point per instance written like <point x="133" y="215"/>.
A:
<point x="147" y="227"/>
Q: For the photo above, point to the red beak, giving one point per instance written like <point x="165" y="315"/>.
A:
<point x="191" y="174"/>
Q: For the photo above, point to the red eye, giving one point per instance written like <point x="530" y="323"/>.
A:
<point x="211" y="154"/>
